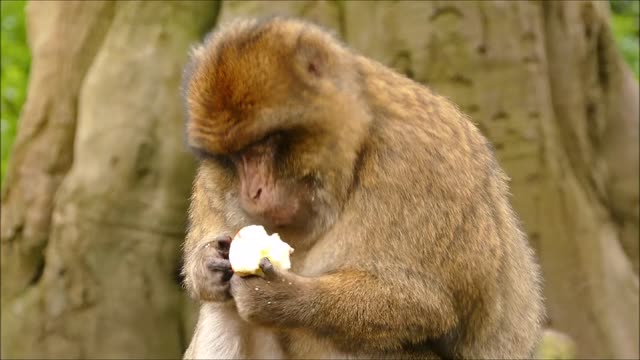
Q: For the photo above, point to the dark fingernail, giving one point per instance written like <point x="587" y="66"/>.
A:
<point x="265" y="264"/>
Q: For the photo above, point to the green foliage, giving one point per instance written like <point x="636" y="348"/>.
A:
<point x="555" y="345"/>
<point x="625" y="18"/>
<point x="14" y="71"/>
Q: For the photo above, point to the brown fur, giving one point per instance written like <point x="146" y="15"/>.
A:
<point x="410" y="248"/>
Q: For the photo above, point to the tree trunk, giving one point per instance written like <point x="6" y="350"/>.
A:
<point x="94" y="208"/>
<point x="93" y="212"/>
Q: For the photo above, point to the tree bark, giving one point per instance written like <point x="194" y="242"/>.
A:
<point x="94" y="208"/>
<point x="94" y="205"/>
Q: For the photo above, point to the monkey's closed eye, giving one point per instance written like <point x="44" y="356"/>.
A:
<point x="312" y="179"/>
<point x="222" y="160"/>
<point x="285" y="140"/>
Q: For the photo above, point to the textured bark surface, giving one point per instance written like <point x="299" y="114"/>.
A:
<point x="94" y="205"/>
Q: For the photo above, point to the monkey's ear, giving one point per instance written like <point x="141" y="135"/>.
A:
<point x="313" y="56"/>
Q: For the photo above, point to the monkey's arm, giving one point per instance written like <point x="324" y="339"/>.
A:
<point x="355" y="309"/>
<point x="206" y="267"/>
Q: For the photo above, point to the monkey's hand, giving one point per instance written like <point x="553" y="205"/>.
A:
<point x="266" y="299"/>
<point x="211" y="270"/>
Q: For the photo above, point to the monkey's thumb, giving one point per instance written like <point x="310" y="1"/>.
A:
<point x="267" y="268"/>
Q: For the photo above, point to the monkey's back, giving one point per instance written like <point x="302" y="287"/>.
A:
<point x="451" y="220"/>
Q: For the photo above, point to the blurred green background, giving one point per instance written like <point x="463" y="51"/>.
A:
<point x="15" y="72"/>
<point x="16" y="59"/>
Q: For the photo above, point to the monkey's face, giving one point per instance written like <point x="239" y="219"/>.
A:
<point x="268" y="190"/>
<point x="275" y="182"/>
<point x="279" y="106"/>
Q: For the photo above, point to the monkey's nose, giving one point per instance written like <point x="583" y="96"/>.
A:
<point x="256" y="195"/>
<point x="257" y="199"/>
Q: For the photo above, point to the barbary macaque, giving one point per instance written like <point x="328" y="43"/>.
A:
<point x="406" y="245"/>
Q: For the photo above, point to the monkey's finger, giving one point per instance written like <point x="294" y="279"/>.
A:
<point x="219" y="265"/>
<point x="267" y="268"/>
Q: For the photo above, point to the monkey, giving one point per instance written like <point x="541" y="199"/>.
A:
<point x="406" y="244"/>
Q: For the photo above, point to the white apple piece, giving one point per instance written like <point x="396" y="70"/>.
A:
<point x="251" y="244"/>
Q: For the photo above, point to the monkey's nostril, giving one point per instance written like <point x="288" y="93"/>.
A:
<point x="257" y="195"/>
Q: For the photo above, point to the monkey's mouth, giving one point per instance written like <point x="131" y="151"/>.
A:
<point x="287" y="220"/>
<point x="290" y="220"/>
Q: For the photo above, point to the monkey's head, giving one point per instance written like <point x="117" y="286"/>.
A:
<point x="275" y="109"/>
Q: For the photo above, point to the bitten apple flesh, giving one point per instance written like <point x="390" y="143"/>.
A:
<point x="251" y="244"/>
